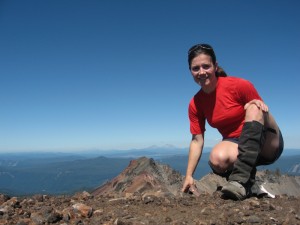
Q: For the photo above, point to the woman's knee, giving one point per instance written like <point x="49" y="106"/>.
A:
<point x="216" y="157"/>
<point x="254" y="113"/>
<point x="219" y="160"/>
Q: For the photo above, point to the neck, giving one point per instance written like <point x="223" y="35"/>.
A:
<point x="211" y="87"/>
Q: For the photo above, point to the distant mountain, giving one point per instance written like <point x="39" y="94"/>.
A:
<point x="151" y="151"/>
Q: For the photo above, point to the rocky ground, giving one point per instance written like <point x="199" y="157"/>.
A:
<point x="147" y="192"/>
<point x="84" y="208"/>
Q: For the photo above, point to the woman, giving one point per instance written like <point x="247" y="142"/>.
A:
<point x="251" y="136"/>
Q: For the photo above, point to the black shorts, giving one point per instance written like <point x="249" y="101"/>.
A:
<point x="261" y="160"/>
<point x="234" y="140"/>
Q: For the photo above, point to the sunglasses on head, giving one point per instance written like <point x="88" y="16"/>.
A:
<point x="200" y="46"/>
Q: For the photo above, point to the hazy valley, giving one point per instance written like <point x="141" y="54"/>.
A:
<point x="67" y="173"/>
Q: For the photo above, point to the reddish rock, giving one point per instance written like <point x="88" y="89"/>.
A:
<point x="83" y="210"/>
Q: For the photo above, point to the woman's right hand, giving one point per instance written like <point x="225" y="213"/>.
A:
<point x="188" y="182"/>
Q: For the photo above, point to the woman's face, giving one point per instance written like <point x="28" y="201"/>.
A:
<point x="204" y="72"/>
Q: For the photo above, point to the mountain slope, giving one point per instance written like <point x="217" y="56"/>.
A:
<point x="146" y="176"/>
<point x="143" y="175"/>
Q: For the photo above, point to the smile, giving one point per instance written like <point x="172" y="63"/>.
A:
<point x="203" y="77"/>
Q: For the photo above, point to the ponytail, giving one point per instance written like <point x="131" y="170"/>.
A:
<point x="220" y="72"/>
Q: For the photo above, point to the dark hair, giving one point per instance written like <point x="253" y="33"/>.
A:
<point x="207" y="50"/>
<point x="220" y="72"/>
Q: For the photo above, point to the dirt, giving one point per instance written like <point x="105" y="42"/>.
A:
<point x="84" y="208"/>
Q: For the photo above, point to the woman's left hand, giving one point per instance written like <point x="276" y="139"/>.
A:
<point x="260" y="104"/>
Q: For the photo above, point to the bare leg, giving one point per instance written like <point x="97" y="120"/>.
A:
<point x="223" y="156"/>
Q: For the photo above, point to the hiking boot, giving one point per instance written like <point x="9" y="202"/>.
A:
<point x="260" y="191"/>
<point x="234" y="190"/>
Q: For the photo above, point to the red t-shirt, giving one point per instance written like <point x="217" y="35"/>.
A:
<point x="223" y="108"/>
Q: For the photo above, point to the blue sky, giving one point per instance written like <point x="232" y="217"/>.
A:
<point x="77" y="75"/>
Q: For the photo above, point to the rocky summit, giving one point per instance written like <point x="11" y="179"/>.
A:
<point x="143" y="176"/>
<point x="148" y="192"/>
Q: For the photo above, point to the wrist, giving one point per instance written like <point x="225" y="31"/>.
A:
<point x="188" y="176"/>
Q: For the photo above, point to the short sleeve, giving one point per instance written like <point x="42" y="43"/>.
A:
<point x="246" y="91"/>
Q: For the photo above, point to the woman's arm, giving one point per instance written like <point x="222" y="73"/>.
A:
<point x="196" y="147"/>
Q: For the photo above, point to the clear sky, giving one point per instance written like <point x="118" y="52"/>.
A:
<point x="113" y="74"/>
